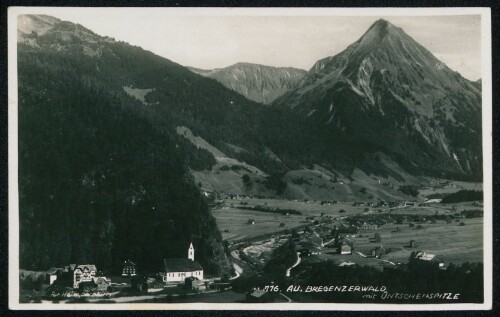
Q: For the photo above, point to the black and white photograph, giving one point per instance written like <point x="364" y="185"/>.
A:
<point x="250" y="158"/>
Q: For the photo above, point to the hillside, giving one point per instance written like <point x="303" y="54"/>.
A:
<point x="99" y="180"/>
<point x="229" y="175"/>
<point x="100" y="118"/>
<point x="259" y="83"/>
<point x="387" y="93"/>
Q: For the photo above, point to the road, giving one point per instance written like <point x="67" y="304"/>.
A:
<point x="294" y="265"/>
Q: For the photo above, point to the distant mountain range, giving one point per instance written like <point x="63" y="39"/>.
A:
<point x="116" y="142"/>
<point x="256" y="82"/>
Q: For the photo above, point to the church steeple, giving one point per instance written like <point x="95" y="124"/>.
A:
<point x="191" y="252"/>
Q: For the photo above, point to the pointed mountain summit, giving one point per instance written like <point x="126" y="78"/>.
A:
<point x="386" y="92"/>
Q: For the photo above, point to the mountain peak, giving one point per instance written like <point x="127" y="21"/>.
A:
<point x="386" y="77"/>
<point x="260" y="83"/>
<point x="39" y="23"/>
<point x="380" y="23"/>
<point x="32" y="26"/>
<point x="380" y="29"/>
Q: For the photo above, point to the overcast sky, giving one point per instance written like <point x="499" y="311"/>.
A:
<point x="219" y="39"/>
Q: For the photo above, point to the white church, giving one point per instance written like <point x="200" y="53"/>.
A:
<point x="176" y="270"/>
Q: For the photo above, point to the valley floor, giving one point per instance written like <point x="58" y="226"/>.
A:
<point x="435" y="228"/>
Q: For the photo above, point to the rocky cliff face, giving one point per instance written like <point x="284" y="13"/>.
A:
<point x="259" y="83"/>
<point x="388" y="92"/>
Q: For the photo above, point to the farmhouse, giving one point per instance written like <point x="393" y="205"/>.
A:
<point x="146" y="284"/>
<point x="193" y="283"/>
<point x="83" y="273"/>
<point x="129" y="268"/>
<point x="83" y="277"/>
<point x="52" y="274"/>
<point x="176" y="270"/>
<point x="420" y="259"/>
<point x="102" y="283"/>
<point x="345" y="249"/>
<point x="369" y="226"/>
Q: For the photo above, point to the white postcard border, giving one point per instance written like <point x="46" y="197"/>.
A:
<point x="486" y="73"/>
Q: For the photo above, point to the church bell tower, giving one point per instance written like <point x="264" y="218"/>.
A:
<point x="191" y="252"/>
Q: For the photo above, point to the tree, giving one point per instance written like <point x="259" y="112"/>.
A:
<point x="274" y="182"/>
<point x="246" y="180"/>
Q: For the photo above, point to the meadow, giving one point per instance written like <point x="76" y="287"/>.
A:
<point x="233" y="222"/>
<point x="449" y="241"/>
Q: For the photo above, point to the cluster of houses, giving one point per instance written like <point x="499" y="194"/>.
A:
<point x="337" y="238"/>
<point x="382" y="203"/>
<point x="342" y="241"/>
<point x="369" y="223"/>
<point x="312" y="240"/>
<point x="340" y="238"/>
<point x="78" y="276"/>
<point x="85" y="277"/>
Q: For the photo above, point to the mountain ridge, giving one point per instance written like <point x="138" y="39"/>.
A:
<point x="96" y="167"/>
<point x="260" y="83"/>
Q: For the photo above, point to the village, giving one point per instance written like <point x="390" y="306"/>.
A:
<point x="385" y="235"/>
<point x="85" y="283"/>
<point x="296" y="234"/>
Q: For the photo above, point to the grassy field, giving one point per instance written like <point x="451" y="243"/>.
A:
<point x="452" y="187"/>
<point x="450" y="242"/>
<point x="234" y="225"/>
<point x="233" y="222"/>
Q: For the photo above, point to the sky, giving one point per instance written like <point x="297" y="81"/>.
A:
<point x="297" y="38"/>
